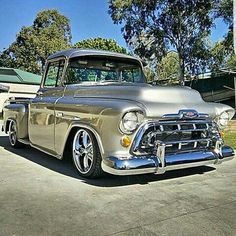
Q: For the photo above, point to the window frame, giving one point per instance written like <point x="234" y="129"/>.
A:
<point x="137" y="62"/>
<point x="59" y="60"/>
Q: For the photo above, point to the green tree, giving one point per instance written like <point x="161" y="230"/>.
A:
<point x="224" y="10"/>
<point x="50" y="32"/>
<point x="223" y="51"/>
<point x="218" y="56"/>
<point x="168" y="67"/>
<point x="149" y="74"/>
<point x="100" y="44"/>
<point x="222" y="57"/>
<point x="155" y="26"/>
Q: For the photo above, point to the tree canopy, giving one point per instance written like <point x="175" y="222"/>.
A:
<point x="153" y="27"/>
<point x="224" y="10"/>
<point x="222" y="53"/>
<point x="167" y="68"/>
<point x="50" y="32"/>
<point x="101" y="44"/>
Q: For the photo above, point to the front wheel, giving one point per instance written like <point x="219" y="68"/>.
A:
<point x="86" y="154"/>
<point x="12" y="132"/>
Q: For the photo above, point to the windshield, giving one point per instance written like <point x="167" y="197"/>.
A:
<point x="85" y="69"/>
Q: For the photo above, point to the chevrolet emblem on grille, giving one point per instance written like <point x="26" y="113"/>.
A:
<point x="188" y="114"/>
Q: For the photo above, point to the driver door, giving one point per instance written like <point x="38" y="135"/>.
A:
<point x="42" y="108"/>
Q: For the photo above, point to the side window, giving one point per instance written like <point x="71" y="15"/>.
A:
<point x="132" y="75"/>
<point x="54" y="74"/>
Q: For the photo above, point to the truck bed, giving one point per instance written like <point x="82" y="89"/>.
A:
<point x="17" y="109"/>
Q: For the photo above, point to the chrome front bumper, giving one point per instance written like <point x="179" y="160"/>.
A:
<point x="161" y="163"/>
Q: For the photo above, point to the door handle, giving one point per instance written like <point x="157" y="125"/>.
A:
<point x="59" y="114"/>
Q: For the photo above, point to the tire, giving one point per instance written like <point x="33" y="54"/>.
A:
<point x="12" y="134"/>
<point x="86" y="155"/>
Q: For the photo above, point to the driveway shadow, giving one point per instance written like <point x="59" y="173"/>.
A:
<point x="67" y="168"/>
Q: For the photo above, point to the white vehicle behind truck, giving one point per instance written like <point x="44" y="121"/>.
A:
<point x="15" y="83"/>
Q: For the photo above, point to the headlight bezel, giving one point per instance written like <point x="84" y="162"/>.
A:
<point x="129" y="119"/>
<point x="223" y="119"/>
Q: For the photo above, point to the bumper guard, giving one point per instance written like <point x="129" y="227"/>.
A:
<point x="160" y="163"/>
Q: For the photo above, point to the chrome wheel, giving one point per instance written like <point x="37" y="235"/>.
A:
<point x="83" y="151"/>
<point x="12" y="133"/>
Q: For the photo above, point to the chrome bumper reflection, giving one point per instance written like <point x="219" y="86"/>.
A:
<point x="159" y="164"/>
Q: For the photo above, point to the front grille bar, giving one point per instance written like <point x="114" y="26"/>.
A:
<point x="168" y="127"/>
<point x="161" y="154"/>
<point x="188" y="141"/>
<point x="180" y="127"/>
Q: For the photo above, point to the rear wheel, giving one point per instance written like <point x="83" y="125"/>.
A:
<point x="86" y="154"/>
<point x="12" y="132"/>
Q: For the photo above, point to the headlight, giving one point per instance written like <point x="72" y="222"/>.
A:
<point x="223" y="119"/>
<point x="130" y="121"/>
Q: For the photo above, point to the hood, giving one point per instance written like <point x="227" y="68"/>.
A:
<point x="156" y="100"/>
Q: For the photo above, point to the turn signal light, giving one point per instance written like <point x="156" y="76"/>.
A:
<point x="125" y="141"/>
<point x="222" y="134"/>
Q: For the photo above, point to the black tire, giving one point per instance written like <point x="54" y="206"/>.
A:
<point x="12" y="134"/>
<point x="86" y="154"/>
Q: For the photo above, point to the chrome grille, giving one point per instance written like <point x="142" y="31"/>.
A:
<point x="177" y="136"/>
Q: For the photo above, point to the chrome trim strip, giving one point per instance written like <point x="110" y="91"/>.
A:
<point x="168" y="168"/>
<point x="67" y="117"/>
<point x="113" y="171"/>
<point x="158" y="165"/>
<point x="179" y="130"/>
<point x="174" y="122"/>
<point x="186" y="114"/>
<point x="190" y="165"/>
<point x="188" y="141"/>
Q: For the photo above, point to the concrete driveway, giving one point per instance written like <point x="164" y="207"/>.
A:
<point x="40" y="195"/>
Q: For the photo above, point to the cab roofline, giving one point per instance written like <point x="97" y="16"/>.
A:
<point x="71" y="53"/>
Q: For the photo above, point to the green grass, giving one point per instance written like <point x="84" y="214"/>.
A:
<point x="230" y="138"/>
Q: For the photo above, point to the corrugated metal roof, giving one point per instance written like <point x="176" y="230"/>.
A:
<point x="10" y="75"/>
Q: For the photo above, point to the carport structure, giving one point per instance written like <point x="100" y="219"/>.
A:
<point x="17" y="83"/>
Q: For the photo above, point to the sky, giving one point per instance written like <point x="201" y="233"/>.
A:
<point x="88" y="18"/>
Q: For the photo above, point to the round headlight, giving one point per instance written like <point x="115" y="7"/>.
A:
<point x="224" y="119"/>
<point x="131" y="121"/>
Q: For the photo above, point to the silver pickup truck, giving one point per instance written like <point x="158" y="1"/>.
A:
<point x="96" y="108"/>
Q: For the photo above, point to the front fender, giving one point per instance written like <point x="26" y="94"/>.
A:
<point x="100" y="116"/>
